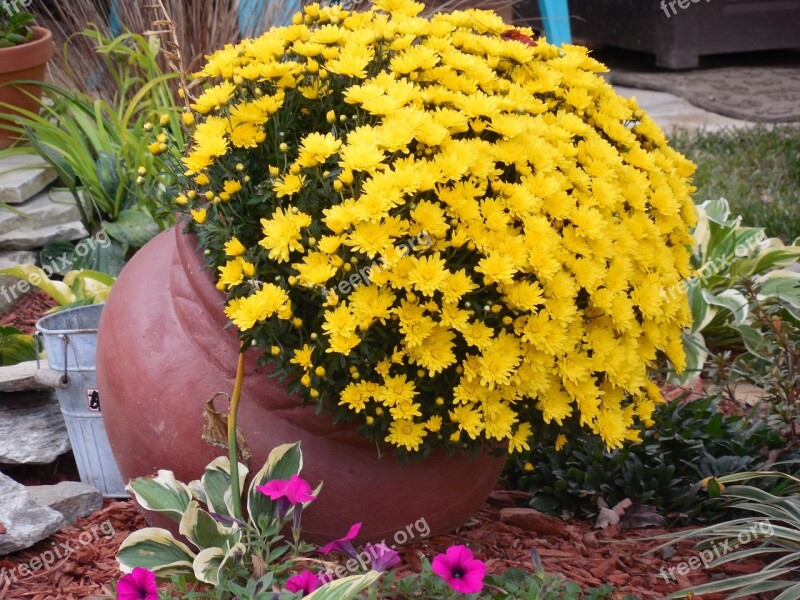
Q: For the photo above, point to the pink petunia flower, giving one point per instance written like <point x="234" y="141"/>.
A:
<point x="305" y="582"/>
<point x="344" y="544"/>
<point x="381" y="556"/>
<point x="139" y="584"/>
<point x="294" y="490"/>
<point x="460" y="569"/>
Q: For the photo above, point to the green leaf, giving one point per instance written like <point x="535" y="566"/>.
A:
<point x="207" y="565"/>
<point x="283" y="462"/>
<point x="58" y="256"/>
<point x="216" y="482"/>
<point x="732" y="300"/>
<point x="107" y="170"/>
<point x="107" y="258"/>
<point x="57" y="290"/>
<point x="162" y="493"/>
<point x="15" y="347"/>
<point x="345" y="588"/>
<point x="752" y="337"/>
<point x="132" y="228"/>
<point x="155" y="549"/>
<point x="204" y="531"/>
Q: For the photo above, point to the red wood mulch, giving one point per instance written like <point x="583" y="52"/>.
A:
<point x="27" y="310"/>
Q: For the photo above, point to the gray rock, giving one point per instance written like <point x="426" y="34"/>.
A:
<point x="23" y="176"/>
<point x="12" y="258"/>
<point x="32" y="429"/>
<point x="24" y="521"/>
<point x="48" y="216"/>
<point x="71" y="498"/>
<point x="21" y="378"/>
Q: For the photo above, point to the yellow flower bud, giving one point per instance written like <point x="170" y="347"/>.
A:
<point x="181" y="200"/>
<point x="439" y="401"/>
<point x="346" y="177"/>
<point x="297" y="322"/>
<point x="209" y="195"/>
<point x="370" y="420"/>
<point x="284" y="147"/>
<point x="191" y="194"/>
<point x="162" y="137"/>
<point x="295" y="169"/>
<point x="274" y="171"/>
<point x="275" y="350"/>
<point x="188" y="118"/>
<point x="148" y="126"/>
<point x="313" y="393"/>
<point x="163" y="119"/>
<point x="338" y="186"/>
<point x="239" y="167"/>
<point x="330" y="117"/>
<point x="141" y="170"/>
<point x="528" y="467"/>
<point x="306" y="380"/>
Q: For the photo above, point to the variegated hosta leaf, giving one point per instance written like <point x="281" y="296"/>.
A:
<point x="283" y="462"/>
<point x="204" y="531"/>
<point x="217" y="483"/>
<point x="207" y="564"/>
<point x="345" y="588"/>
<point x="57" y="290"/>
<point x="198" y="492"/>
<point x="155" y="549"/>
<point x="232" y="558"/>
<point x="162" y="493"/>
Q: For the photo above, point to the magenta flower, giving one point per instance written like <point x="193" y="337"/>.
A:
<point x="139" y="584"/>
<point x="381" y="556"/>
<point x="294" y="490"/>
<point x="305" y="582"/>
<point x="460" y="569"/>
<point x="288" y="492"/>
<point x="344" y="544"/>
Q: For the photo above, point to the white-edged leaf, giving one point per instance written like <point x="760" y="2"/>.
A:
<point x="283" y="462"/>
<point x="217" y="483"/>
<point x="155" y="549"/>
<point x="162" y="493"/>
<point x="732" y="300"/>
<point x="346" y="588"/>
<point x="206" y="565"/>
<point x="200" y="528"/>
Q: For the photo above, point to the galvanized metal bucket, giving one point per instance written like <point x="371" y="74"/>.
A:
<point x="70" y="341"/>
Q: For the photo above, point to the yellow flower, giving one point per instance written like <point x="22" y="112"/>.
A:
<point x="268" y="301"/>
<point x="234" y="247"/>
<point x="561" y="441"/>
<point x="282" y="233"/>
<point x="214" y="97"/>
<point x="519" y="441"/>
<point x="302" y="356"/>
<point x="316" y="148"/>
<point x="289" y="185"/>
<point x="406" y="433"/>
<point x="199" y="215"/>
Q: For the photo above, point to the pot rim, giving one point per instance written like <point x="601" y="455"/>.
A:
<point x="28" y="55"/>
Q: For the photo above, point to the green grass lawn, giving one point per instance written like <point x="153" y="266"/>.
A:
<point x="757" y="170"/>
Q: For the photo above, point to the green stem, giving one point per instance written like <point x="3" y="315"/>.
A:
<point x="232" y="452"/>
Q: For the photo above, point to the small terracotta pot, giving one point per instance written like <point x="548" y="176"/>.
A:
<point x="23" y="62"/>
<point x="164" y="350"/>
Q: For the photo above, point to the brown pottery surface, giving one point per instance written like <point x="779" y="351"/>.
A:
<point x="19" y="63"/>
<point x="164" y="350"/>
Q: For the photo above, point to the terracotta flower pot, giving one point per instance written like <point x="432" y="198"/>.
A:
<point x="23" y="62"/>
<point x="164" y="350"/>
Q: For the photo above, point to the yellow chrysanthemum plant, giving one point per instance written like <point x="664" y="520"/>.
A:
<point x="451" y="235"/>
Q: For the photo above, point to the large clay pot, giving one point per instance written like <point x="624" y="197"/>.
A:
<point x="20" y="63"/>
<point x="164" y="350"/>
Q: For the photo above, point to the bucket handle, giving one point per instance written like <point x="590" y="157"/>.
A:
<point x="50" y="376"/>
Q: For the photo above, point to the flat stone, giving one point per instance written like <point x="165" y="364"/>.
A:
<point x="71" y="498"/>
<point x="20" y="377"/>
<point x="23" y="176"/>
<point x="32" y="429"/>
<point x="25" y="522"/>
<point x="48" y="216"/>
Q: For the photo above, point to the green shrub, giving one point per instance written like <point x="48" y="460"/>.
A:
<point x="689" y="442"/>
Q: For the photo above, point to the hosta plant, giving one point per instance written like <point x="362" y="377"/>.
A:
<point x="234" y="541"/>
<point x="78" y="287"/>
<point x="725" y="255"/>
<point x="770" y="531"/>
<point x="439" y="228"/>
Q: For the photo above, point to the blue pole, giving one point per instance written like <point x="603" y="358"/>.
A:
<point x="555" y="14"/>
